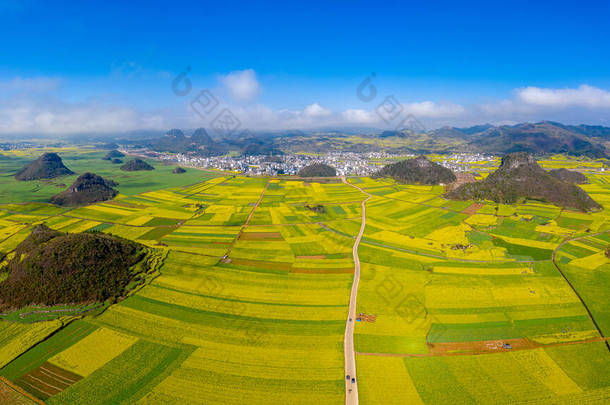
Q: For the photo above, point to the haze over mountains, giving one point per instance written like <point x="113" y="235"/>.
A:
<point x="201" y="143"/>
<point x="542" y="137"/>
<point x="536" y="138"/>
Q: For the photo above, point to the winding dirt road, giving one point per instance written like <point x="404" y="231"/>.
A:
<point x="351" y="389"/>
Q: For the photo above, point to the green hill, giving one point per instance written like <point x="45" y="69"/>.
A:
<point x="318" y="170"/>
<point x="50" y="267"/>
<point x="47" y="166"/>
<point x="136" y="165"/>
<point x="87" y="189"/>
<point x="113" y="154"/>
<point x="417" y="171"/>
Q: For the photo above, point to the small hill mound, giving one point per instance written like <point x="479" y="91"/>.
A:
<point x="51" y="267"/>
<point x="569" y="176"/>
<point x="318" y="170"/>
<point x="417" y="171"/>
<point x="519" y="176"/>
<point x="178" y="170"/>
<point x="87" y="189"/>
<point x="112" y="155"/>
<point x="116" y="161"/>
<point x="136" y="165"/>
<point x="47" y="166"/>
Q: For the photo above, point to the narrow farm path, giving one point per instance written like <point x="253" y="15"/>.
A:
<point x="351" y="388"/>
<point x="245" y="225"/>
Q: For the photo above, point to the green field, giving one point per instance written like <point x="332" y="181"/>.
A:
<point x="449" y="286"/>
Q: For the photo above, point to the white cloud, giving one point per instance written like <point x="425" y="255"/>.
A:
<point x="242" y="84"/>
<point x="316" y="110"/>
<point x="583" y="96"/>
<point x="360" y="117"/>
<point x="32" y="106"/>
<point x="429" y="109"/>
<point x="57" y="118"/>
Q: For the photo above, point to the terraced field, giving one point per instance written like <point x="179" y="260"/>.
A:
<point x="458" y="302"/>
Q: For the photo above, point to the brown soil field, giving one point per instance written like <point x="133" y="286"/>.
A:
<point x="479" y="347"/>
<point x="47" y="380"/>
<point x="461" y="178"/>
<point x="482" y="347"/>
<point x="261" y="236"/>
<point x="473" y="208"/>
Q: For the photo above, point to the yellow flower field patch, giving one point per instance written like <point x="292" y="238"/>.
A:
<point x="93" y="351"/>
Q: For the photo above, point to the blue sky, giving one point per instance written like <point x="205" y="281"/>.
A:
<point x="281" y="65"/>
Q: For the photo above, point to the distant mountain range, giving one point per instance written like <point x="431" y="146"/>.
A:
<point x="202" y="144"/>
<point x="539" y="138"/>
<point x="175" y="141"/>
<point x="544" y="137"/>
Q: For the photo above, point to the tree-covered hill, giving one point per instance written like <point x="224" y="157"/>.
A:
<point x="47" y="166"/>
<point x="519" y="177"/>
<point x="417" y="171"/>
<point x="136" y="165"/>
<point x="318" y="170"/>
<point x="87" y="189"/>
<point x="50" y="267"/>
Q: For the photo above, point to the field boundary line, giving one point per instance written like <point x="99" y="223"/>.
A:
<point x="245" y="225"/>
<point x="563" y="243"/>
<point x="205" y="181"/>
<point x="482" y="353"/>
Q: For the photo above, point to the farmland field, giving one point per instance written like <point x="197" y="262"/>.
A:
<point x="460" y="302"/>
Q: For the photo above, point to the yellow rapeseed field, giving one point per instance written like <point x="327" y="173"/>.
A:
<point x="92" y="352"/>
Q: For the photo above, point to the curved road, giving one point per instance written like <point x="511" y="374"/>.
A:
<point x="351" y="389"/>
